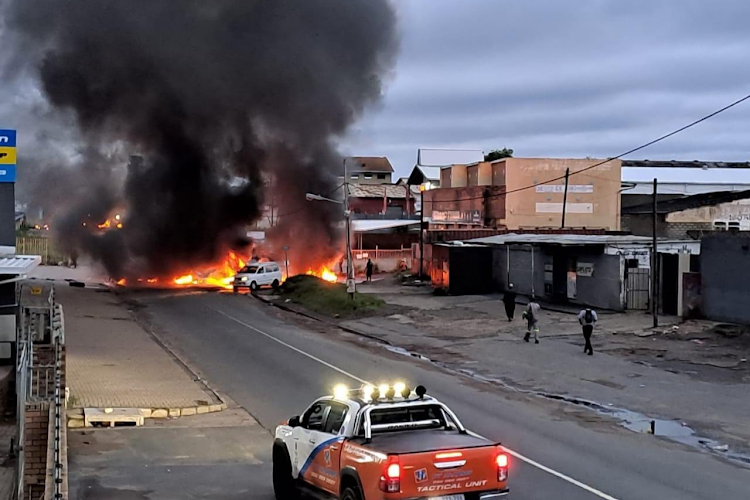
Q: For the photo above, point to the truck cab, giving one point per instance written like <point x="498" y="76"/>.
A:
<point x="385" y="443"/>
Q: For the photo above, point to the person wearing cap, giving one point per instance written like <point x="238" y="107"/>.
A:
<point x="509" y="299"/>
<point x="587" y="317"/>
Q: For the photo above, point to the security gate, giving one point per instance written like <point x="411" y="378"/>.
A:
<point x="637" y="288"/>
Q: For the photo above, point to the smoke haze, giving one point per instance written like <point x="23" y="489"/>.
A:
<point x="192" y="113"/>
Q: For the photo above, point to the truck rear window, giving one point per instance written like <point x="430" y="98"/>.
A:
<point x="431" y="416"/>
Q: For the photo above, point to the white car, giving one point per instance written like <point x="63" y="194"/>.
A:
<point x="256" y="275"/>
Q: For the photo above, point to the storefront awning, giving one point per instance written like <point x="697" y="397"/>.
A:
<point x="18" y="265"/>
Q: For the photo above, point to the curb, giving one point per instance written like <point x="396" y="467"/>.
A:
<point x="75" y="417"/>
<point x="321" y="320"/>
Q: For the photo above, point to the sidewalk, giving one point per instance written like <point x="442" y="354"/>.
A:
<point x="113" y="363"/>
<point x="687" y="373"/>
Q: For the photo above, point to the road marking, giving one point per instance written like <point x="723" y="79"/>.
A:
<point x="523" y="458"/>
<point x="325" y="363"/>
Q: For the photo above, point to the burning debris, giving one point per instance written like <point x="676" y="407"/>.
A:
<point x="226" y="104"/>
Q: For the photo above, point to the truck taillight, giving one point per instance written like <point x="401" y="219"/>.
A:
<point x="501" y="461"/>
<point x="390" y="481"/>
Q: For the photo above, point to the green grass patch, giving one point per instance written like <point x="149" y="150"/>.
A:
<point x="326" y="298"/>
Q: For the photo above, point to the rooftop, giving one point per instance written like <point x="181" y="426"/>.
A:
<point x="565" y="239"/>
<point x="368" y="164"/>
<point x="379" y="191"/>
<point x="689" y="202"/>
<point x="683" y="164"/>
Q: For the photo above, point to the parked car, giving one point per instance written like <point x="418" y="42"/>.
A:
<point x="257" y="275"/>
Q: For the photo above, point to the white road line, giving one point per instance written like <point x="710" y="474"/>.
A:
<point x="523" y="458"/>
<point x="329" y="365"/>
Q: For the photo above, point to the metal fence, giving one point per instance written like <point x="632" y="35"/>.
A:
<point x="45" y="247"/>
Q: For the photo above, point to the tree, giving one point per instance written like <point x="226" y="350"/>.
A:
<point x="497" y="154"/>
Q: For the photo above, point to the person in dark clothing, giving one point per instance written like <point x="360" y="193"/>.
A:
<point x="368" y="270"/>
<point x="587" y="318"/>
<point x="509" y="299"/>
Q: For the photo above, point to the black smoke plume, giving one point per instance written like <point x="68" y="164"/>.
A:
<point x="192" y="113"/>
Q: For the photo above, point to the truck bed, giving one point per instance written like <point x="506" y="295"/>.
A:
<point x="415" y="441"/>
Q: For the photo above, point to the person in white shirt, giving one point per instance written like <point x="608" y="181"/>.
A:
<point x="531" y="315"/>
<point x="587" y="318"/>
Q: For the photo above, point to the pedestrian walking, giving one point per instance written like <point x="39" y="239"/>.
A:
<point x="587" y="318"/>
<point x="531" y="314"/>
<point x="368" y="270"/>
<point x="509" y="299"/>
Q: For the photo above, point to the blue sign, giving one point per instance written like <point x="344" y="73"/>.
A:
<point x="7" y="173"/>
<point x="7" y="138"/>
<point x="8" y="156"/>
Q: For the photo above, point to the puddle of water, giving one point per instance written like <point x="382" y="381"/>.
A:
<point x="674" y="430"/>
<point x="404" y="352"/>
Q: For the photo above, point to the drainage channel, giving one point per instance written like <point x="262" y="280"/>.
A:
<point x="673" y="430"/>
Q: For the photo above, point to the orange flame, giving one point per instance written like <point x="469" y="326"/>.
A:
<point x="121" y="282"/>
<point x="324" y="273"/>
<point x="104" y="225"/>
<point x="184" y="280"/>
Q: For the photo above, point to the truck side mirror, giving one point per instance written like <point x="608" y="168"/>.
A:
<point x="294" y="422"/>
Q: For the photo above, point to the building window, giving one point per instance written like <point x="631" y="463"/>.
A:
<point x="734" y="226"/>
<point x="368" y="176"/>
<point x="381" y="176"/>
<point x="720" y="225"/>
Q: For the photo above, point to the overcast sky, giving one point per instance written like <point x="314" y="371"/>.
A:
<point x="565" y="79"/>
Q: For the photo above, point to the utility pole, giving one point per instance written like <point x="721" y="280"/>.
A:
<point x="421" y="231"/>
<point x="565" y="196"/>
<point x="654" y="264"/>
<point x="351" y="285"/>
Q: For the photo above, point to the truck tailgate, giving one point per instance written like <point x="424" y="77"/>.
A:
<point x="450" y="472"/>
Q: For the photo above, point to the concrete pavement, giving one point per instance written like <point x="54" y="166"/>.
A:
<point x="113" y="362"/>
<point x="214" y="456"/>
<point x="274" y="367"/>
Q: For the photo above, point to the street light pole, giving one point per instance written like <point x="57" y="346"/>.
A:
<point x="421" y="231"/>
<point x="351" y="285"/>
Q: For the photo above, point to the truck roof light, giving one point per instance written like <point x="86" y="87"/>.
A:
<point x="367" y="392"/>
<point x="340" y="391"/>
<point x="382" y="390"/>
<point x="421" y="391"/>
<point x="399" y="387"/>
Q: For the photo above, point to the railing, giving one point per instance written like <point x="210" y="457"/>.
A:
<point x="40" y="341"/>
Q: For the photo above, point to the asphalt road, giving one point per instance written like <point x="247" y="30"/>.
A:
<point x="274" y="368"/>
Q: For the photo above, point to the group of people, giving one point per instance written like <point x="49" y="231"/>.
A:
<point x="587" y="318"/>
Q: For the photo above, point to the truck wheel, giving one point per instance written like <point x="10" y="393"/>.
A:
<point x="284" y="485"/>
<point x="351" y="494"/>
<point x="253" y="286"/>
<point x="275" y="284"/>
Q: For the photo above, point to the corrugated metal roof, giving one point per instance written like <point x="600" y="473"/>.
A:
<point x="686" y="175"/>
<point x="18" y="264"/>
<point x="563" y="239"/>
<point x="377" y="191"/>
<point x="443" y="157"/>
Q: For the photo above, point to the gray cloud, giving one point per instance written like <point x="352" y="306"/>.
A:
<point x="550" y="78"/>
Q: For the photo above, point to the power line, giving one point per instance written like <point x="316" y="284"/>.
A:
<point x="631" y="151"/>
